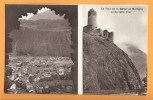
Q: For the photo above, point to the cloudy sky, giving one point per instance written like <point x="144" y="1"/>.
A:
<point x="127" y="27"/>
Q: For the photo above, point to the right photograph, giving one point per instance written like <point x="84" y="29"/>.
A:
<point x="115" y="46"/>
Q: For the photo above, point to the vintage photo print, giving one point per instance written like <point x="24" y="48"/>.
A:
<point x="115" y="49"/>
<point x="41" y="49"/>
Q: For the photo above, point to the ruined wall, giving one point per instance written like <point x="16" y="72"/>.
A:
<point x="104" y="34"/>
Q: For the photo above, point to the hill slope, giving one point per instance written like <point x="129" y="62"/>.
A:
<point x="107" y="67"/>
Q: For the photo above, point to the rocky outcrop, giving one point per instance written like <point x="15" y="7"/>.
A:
<point x="106" y="66"/>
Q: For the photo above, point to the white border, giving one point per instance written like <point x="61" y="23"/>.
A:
<point x="80" y="50"/>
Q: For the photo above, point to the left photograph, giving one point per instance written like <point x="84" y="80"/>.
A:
<point x="41" y="49"/>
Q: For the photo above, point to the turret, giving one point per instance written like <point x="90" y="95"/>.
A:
<point x="92" y="18"/>
<point x="105" y="33"/>
<point x="111" y="36"/>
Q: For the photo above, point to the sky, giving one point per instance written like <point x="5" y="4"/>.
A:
<point x="29" y="15"/>
<point x="129" y="28"/>
<point x="43" y="13"/>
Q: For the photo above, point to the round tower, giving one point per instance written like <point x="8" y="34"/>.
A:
<point x="111" y="36"/>
<point x="92" y="18"/>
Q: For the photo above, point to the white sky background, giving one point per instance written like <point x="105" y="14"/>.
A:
<point x="127" y="27"/>
<point x="29" y="15"/>
<point x="43" y="13"/>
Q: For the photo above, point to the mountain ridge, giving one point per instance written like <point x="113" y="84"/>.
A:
<point x="42" y="38"/>
<point x="46" y="15"/>
<point x="138" y="57"/>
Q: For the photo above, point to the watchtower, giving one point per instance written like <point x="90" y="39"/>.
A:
<point x="92" y="18"/>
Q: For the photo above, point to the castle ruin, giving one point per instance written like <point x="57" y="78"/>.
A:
<point x="92" y="29"/>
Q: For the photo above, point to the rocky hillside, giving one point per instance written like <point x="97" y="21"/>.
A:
<point x="107" y="67"/>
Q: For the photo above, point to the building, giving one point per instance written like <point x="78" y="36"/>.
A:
<point x="92" y="29"/>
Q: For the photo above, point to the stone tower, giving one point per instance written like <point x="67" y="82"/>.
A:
<point x="105" y="34"/>
<point x="111" y="36"/>
<point x="92" y="18"/>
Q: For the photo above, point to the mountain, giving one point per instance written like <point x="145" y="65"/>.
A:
<point x="107" y="67"/>
<point x="50" y="15"/>
<point x="42" y="37"/>
<point x="138" y="57"/>
<point x="45" y="24"/>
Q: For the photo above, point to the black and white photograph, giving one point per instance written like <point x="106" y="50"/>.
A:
<point x="76" y="49"/>
<point x="41" y="49"/>
<point x="115" y="49"/>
